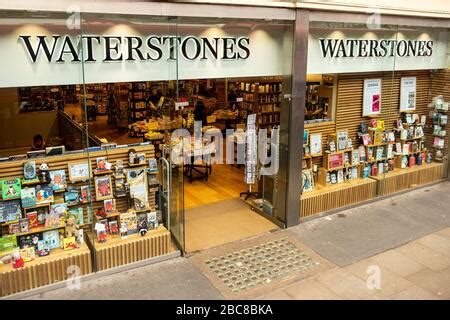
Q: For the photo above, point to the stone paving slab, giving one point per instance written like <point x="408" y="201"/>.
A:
<point x="248" y="268"/>
<point x="169" y="280"/>
<point x="362" y="232"/>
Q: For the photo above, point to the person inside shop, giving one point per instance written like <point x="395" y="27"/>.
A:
<point x="38" y="143"/>
<point x="200" y="112"/>
<point x="111" y="107"/>
<point x="153" y="103"/>
<point x="232" y="97"/>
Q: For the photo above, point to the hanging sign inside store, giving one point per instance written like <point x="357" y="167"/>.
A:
<point x="407" y="94"/>
<point x="372" y="97"/>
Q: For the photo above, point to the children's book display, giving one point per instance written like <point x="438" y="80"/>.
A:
<point x="439" y="117"/>
<point x="341" y="162"/>
<point x="44" y="210"/>
<point x="32" y="222"/>
<point x="376" y="150"/>
<point x="410" y="147"/>
<point x="381" y="150"/>
<point x="133" y="183"/>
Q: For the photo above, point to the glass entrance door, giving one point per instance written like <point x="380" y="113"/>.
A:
<point x="171" y="199"/>
<point x="172" y="195"/>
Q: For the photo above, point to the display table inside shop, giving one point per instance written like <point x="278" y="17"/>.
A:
<point x="199" y="169"/>
<point x="117" y="251"/>
<point x="323" y="199"/>
<point x="44" y="270"/>
<point x="401" y="179"/>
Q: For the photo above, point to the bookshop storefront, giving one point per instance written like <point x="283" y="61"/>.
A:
<point x="93" y="108"/>
<point x="92" y="115"/>
<point x="376" y="111"/>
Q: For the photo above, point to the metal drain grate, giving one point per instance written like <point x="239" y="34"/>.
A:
<point x="261" y="264"/>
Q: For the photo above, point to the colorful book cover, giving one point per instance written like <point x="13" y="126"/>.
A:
<point x="109" y="206"/>
<point x="142" y="221"/>
<point x="69" y="243"/>
<point x="129" y="221"/>
<point x="11" y="188"/>
<point x="58" y="180"/>
<point x="14" y="228"/>
<point x="24" y="225"/>
<point x="59" y="209"/>
<point x="44" y="195"/>
<point x="42" y="214"/>
<point x="77" y="214"/>
<point x="7" y="243"/>
<point x="51" y="238"/>
<point x="153" y="165"/>
<point x="85" y="194"/>
<point x="113" y="228"/>
<point x="30" y="240"/>
<point x="10" y="210"/>
<point x="380" y="151"/>
<point x="105" y="224"/>
<point x="27" y="254"/>
<point x="33" y="219"/>
<point x="152" y="218"/>
<point x="29" y="170"/>
<point x="28" y="196"/>
<point x="72" y="197"/>
<point x="42" y="248"/>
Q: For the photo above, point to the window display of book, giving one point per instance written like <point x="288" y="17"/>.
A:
<point x="439" y="121"/>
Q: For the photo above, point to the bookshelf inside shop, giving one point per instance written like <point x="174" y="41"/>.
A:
<point x="262" y="98"/>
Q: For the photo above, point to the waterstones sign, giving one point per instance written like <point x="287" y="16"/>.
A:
<point x="334" y="51"/>
<point x="50" y="54"/>
<point x="131" y="48"/>
<point x="350" y="48"/>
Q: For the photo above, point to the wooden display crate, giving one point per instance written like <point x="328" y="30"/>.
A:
<point x="335" y="196"/>
<point x="44" y="270"/>
<point x="117" y="252"/>
<point x="401" y="179"/>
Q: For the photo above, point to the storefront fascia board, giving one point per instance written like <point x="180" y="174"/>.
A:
<point x="318" y="64"/>
<point x="153" y="9"/>
<point x="19" y="55"/>
<point x="436" y="9"/>
<point x="365" y="16"/>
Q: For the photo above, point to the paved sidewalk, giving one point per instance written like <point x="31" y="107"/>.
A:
<point x="417" y="270"/>
<point x="404" y="239"/>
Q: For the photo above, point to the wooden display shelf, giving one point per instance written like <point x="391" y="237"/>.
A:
<point x="137" y="164"/>
<point x="334" y="196"/>
<point x="40" y="205"/>
<point x="374" y="160"/>
<point x="77" y="204"/>
<point x="112" y="215"/>
<point x="412" y="139"/>
<point x="376" y="145"/>
<point x="9" y="222"/>
<point x="39" y="229"/>
<point x="44" y="270"/>
<point x="31" y="183"/>
<point x="117" y="251"/>
<point x="401" y="179"/>
<point x="103" y="172"/>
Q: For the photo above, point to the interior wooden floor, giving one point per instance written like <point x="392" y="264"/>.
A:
<point x="214" y="213"/>
<point x="226" y="182"/>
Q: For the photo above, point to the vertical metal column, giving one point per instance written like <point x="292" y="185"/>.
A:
<point x="296" y="118"/>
